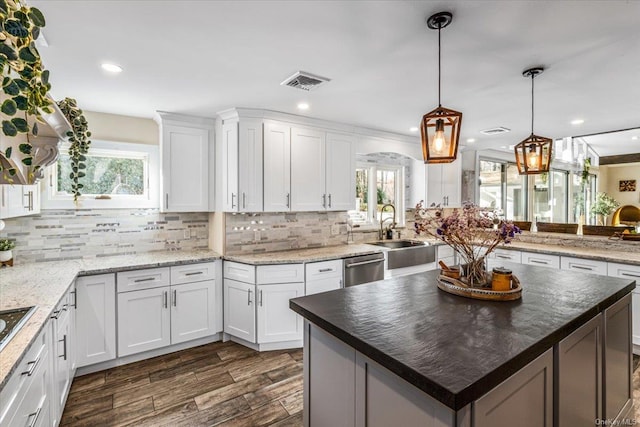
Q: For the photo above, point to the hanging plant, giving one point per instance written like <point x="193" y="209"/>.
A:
<point x="25" y="82"/>
<point x="79" y="143"/>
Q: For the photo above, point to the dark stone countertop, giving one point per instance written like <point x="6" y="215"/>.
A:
<point x="453" y="348"/>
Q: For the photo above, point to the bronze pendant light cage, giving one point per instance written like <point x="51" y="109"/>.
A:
<point x="533" y="155"/>
<point x="440" y="128"/>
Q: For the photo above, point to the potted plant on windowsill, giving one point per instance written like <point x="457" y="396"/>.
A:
<point x="6" y="254"/>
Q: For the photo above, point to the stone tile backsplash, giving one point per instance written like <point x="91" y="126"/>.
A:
<point x="84" y="233"/>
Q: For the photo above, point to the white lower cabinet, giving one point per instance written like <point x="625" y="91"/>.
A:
<point x="584" y="265"/>
<point x="95" y="311"/>
<point x="256" y="309"/>
<point x="62" y="352"/>
<point x="541" y="260"/>
<point x="161" y="307"/>
<point x="323" y="276"/>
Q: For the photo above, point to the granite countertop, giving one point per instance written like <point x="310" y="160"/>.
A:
<point x="44" y="284"/>
<point x="305" y="255"/>
<point x="453" y="348"/>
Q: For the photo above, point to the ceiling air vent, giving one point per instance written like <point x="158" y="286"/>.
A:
<point x="495" y="131"/>
<point x="305" y="81"/>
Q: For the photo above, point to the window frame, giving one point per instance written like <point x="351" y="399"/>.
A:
<point x="399" y="189"/>
<point x="51" y="199"/>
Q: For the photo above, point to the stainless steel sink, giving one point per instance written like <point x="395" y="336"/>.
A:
<point x="407" y="253"/>
<point x="11" y="321"/>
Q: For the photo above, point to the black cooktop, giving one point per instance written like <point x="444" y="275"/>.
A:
<point x="11" y="321"/>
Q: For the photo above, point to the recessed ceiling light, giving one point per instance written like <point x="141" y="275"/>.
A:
<point x="413" y="129"/>
<point x="112" y="68"/>
<point x="470" y="140"/>
<point x="634" y="138"/>
<point x="303" y="106"/>
<point x="577" y="122"/>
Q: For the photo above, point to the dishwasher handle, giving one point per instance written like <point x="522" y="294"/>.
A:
<point x="355" y="264"/>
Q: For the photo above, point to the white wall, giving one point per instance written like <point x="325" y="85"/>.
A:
<point x="114" y="127"/>
<point x="610" y="177"/>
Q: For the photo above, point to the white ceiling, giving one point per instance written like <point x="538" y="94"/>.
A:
<point x="617" y="143"/>
<point x="200" y="57"/>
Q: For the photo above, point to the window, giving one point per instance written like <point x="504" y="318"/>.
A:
<point x="377" y="186"/>
<point x="503" y="189"/>
<point x="118" y="175"/>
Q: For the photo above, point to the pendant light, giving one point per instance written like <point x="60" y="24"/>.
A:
<point x="533" y="155"/>
<point x="440" y="128"/>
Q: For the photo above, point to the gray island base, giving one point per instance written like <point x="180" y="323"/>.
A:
<point x="400" y="352"/>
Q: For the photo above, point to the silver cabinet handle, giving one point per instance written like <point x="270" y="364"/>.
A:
<point x="580" y="267"/>
<point x="28" y="206"/>
<point x="248" y="296"/>
<point x="324" y="270"/>
<point x="329" y="199"/>
<point x="233" y="200"/>
<point x="65" y="307"/>
<point x="288" y="198"/>
<point x="324" y="200"/>
<point x="35" y="416"/>
<point x="166" y="201"/>
<point x="244" y="200"/>
<point x="146" y="279"/>
<point x="64" y="346"/>
<point x="32" y="367"/>
<point x="75" y="298"/>
<point x="630" y="275"/>
<point x="56" y="314"/>
<point x="193" y="273"/>
<point x="165" y="299"/>
<point x="175" y="298"/>
<point x="260" y="298"/>
<point x="535" y="261"/>
<point x="503" y="256"/>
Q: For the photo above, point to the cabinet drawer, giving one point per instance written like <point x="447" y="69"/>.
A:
<point x="541" y="260"/>
<point x="281" y="273"/>
<point x="586" y="265"/>
<point x="142" y="279"/>
<point x="624" y="271"/>
<point x="240" y="272"/>
<point x="323" y="270"/>
<point x="507" y="255"/>
<point x="192" y="273"/>
<point x="444" y="251"/>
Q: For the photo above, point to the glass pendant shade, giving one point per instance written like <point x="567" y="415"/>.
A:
<point x="533" y="155"/>
<point x="440" y="131"/>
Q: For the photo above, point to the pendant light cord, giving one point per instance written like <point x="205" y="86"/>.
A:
<point x="532" y="77"/>
<point x="439" y="66"/>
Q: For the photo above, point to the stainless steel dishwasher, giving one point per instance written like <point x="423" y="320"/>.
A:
<point x="363" y="269"/>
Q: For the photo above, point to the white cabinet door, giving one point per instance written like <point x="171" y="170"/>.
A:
<point x="144" y="321"/>
<point x="307" y="170"/>
<point x="229" y="142"/>
<point x="239" y="310"/>
<point x="323" y="276"/>
<point x="340" y="172"/>
<point x="12" y="201"/>
<point x="193" y="311"/>
<point x="95" y="319"/>
<point x="250" y="170"/>
<point x="185" y="169"/>
<point x="276" y="321"/>
<point x="584" y="265"/>
<point x="61" y="362"/>
<point x="443" y="184"/>
<point x="277" y="167"/>
<point x="541" y="260"/>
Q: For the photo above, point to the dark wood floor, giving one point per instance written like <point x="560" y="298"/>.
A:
<point x="219" y="384"/>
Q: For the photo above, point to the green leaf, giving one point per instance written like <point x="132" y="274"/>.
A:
<point x="82" y="158"/>
<point x="20" y="124"/>
<point x="21" y="84"/>
<point x="8" y="128"/>
<point x="27" y="161"/>
<point x="79" y="186"/>
<point x="45" y="77"/>
<point x="71" y="175"/>
<point x="7" y="152"/>
<point x="8" y="51"/>
<point x="25" y="148"/>
<point x="26" y="55"/>
<point x="3" y="7"/>
<point x="15" y="28"/>
<point x="12" y="171"/>
<point x="27" y="72"/>
<point x="81" y="174"/>
<point x="37" y="17"/>
<point x="12" y="88"/>
<point x="21" y="102"/>
<point x="34" y="129"/>
<point x="9" y="107"/>
<point x="82" y="166"/>
<point x="35" y="33"/>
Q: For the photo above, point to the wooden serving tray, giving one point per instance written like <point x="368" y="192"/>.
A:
<point x="457" y="287"/>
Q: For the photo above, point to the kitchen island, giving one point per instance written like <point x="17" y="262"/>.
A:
<point x="402" y="352"/>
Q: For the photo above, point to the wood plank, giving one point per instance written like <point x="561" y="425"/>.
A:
<point x="169" y="416"/>
<point x="135" y="382"/>
<point x="184" y="368"/>
<point x="285" y="372"/>
<point x="143" y="366"/>
<point x="263" y="416"/>
<point x="73" y="414"/>
<point x="274" y="391"/>
<point x="292" y="421"/>
<point x="118" y="416"/>
<point x="176" y="395"/>
<point x="214" y="397"/>
<point x="204" y="350"/>
<point x="293" y="402"/>
<point x="216" y="414"/>
<point x="87" y="382"/>
<point x="236" y="352"/>
<point x="121" y="398"/>
<point x="267" y="364"/>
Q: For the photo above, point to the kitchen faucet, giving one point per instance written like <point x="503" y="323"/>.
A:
<point x="382" y="221"/>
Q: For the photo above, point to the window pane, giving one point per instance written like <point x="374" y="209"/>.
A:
<point x="541" y="198"/>
<point x="559" y="194"/>
<point x="104" y="175"/>
<point x="516" y="194"/>
<point x="490" y="184"/>
<point x="385" y="191"/>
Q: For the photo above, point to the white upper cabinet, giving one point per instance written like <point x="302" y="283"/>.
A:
<point x="340" y="172"/>
<point x="277" y="167"/>
<point x="242" y="165"/>
<point x="307" y="170"/>
<point x="184" y="156"/>
<point x="19" y="200"/>
<point x="444" y="184"/>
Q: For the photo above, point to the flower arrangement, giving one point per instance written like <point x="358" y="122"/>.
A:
<point x="604" y="204"/>
<point x="470" y="231"/>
